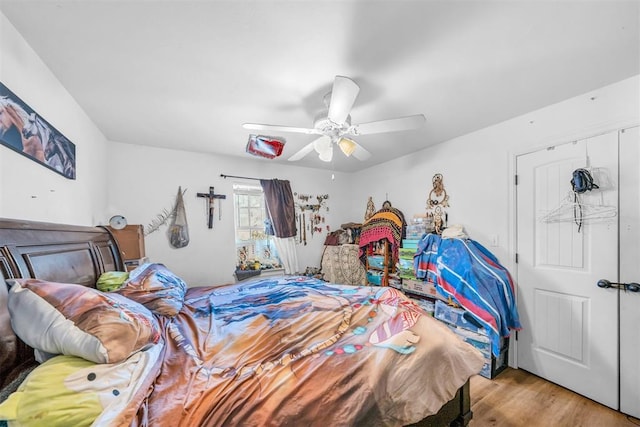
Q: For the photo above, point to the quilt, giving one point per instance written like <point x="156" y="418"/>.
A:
<point x="285" y="351"/>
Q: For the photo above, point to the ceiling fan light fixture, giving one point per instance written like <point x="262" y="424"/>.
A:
<point x="335" y="121"/>
<point x="347" y="146"/>
<point x="327" y="154"/>
<point x="322" y="144"/>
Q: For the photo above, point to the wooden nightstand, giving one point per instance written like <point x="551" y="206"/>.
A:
<point x="131" y="243"/>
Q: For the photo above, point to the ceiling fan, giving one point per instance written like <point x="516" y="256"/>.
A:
<point x="334" y="125"/>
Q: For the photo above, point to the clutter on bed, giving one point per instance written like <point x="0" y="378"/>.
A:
<point x="269" y="351"/>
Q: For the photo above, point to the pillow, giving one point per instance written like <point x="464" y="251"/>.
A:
<point x="61" y="318"/>
<point x="43" y="399"/>
<point x="155" y="287"/>
<point x="71" y="391"/>
<point x="111" y="280"/>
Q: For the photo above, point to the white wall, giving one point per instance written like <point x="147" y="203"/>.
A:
<point x="29" y="190"/>
<point x="140" y="181"/>
<point x="146" y="182"/>
<point x="478" y="168"/>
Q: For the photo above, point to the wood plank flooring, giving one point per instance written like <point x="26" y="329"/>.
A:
<point x="517" y="398"/>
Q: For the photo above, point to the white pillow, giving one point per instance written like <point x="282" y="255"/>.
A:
<point x="62" y="318"/>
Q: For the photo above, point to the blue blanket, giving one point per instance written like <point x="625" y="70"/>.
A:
<point x="473" y="277"/>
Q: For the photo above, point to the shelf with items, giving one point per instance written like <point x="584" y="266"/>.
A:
<point x="380" y="263"/>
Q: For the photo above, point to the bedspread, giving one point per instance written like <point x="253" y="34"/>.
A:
<point x="300" y="351"/>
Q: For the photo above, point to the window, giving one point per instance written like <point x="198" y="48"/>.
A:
<point x="254" y="248"/>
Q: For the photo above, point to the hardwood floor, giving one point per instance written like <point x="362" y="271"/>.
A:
<point x="517" y="398"/>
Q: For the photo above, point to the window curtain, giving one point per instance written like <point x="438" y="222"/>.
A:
<point x="281" y="211"/>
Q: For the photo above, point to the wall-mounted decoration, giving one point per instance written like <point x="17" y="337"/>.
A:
<point x="179" y="230"/>
<point x="371" y="209"/>
<point x="25" y="132"/>
<point x="437" y="201"/>
<point x="211" y="196"/>
<point x="309" y="218"/>
<point x="163" y="217"/>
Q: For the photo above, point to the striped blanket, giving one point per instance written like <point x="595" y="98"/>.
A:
<point x="387" y="223"/>
<point x="473" y="277"/>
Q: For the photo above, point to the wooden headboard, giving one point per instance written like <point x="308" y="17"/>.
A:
<point x="54" y="252"/>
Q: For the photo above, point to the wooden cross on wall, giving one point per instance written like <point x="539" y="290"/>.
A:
<point x="211" y="195"/>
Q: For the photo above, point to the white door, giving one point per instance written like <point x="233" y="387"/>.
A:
<point x="630" y="271"/>
<point x="569" y="330"/>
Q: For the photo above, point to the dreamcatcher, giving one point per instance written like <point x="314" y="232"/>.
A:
<point x="437" y="201"/>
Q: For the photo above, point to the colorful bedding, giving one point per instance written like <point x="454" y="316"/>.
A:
<point x="296" y="351"/>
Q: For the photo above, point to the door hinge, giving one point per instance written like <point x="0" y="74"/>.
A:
<point x="516" y="179"/>
<point x="516" y="257"/>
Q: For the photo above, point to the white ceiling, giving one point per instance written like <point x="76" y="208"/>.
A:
<point x="187" y="74"/>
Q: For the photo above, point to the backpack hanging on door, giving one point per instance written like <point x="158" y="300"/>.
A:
<point x="582" y="181"/>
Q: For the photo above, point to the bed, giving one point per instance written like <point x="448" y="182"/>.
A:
<point x="179" y="356"/>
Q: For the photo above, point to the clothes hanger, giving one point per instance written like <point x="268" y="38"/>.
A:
<point x="572" y="208"/>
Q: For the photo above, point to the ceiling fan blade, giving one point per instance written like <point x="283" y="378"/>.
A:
<point x="278" y="128"/>
<point x="343" y="95"/>
<point x="389" y="125"/>
<point x="361" y="153"/>
<point x="303" y="152"/>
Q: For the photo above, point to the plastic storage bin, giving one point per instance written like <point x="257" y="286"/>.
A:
<point x="374" y="277"/>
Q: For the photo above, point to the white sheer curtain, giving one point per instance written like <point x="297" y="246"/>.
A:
<point x="286" y="247"/>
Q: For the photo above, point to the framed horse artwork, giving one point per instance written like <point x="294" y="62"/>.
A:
<point x="25" y="132"/>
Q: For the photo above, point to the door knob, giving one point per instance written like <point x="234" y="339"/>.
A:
<point x="631" y="287"/>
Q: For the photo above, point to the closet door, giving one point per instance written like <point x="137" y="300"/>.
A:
<point x="630" y="271"/>
<point x="569" y="325"/>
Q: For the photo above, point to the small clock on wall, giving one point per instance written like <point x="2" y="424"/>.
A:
<point x="117" y="222"/>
